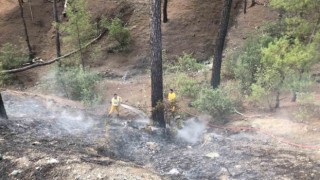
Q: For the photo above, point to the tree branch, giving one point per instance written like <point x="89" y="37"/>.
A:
<point x="52" y="60"/>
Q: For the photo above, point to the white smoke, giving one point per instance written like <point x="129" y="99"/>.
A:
<point x="192" y="130"/>
<point x="71" y="120"/>
<point x="76" y="122"/>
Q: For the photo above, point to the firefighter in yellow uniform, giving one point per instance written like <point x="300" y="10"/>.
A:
<point x="172" y="100"/>
<point x="115" y="103"/>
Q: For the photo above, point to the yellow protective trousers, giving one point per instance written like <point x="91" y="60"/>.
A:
<point x="113" y="108"/>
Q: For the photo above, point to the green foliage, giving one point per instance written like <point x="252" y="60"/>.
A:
<point x="71" y="61"/>
<point x="232" y="88"/>
<point x="183" y="75"/>
<point x="281" y="61"/>
<point x="12" y="57"/>
<point x="215" y="102"/>
<point x="79" y="84"/>
<point x="187" y="63"/>
<point x="307" y="109"/>
<point x="295" y="5"/>
<point x="248" y="62"/>
<point x="229" y="64"/>
<point x="299" y="83"/>
<point x="260" y="96"/>
<point x="301" y="17"/>
<point x="186" y="85"/>
<point x="119" y="32"/>
<point x="78" y="20"/>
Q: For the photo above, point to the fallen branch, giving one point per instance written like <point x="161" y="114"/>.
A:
<point x="53" y="60"/>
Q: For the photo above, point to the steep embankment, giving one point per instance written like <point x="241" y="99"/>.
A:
<point x="192" y="28"/>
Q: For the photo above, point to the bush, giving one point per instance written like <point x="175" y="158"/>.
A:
<point x="12" y="57"/>
<point x="119" y="33"/>
<point x="249" y="62"/>
<point x="215" y="102"/>
<point x="187" y="63"/>
<point x="229" y="64"/>
<point x="187" y="86"/>
<point x="80" y="84"/>
<point x="307" y="109"/>
<point x="260" y="96"/>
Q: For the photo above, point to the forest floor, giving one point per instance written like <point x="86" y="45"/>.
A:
<point x="50" y="137"/>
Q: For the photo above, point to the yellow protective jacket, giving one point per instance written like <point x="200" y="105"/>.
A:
<point x="116" y="101"/>
<point x="171" y="97"/>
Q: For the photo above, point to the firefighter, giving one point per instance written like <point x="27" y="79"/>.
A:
<point x="172" y="100"/>
<point x="115" y="104"/>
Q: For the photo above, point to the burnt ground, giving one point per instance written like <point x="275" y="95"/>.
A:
<point x="50" y="138"/>
<point x="47" y="139"/>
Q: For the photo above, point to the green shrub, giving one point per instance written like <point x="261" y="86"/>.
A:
<point x="12" y="56"/>
<point x="249" y="62"/>
<point x="260" y="96"/>
<point x="187" y="63"/>
<point x="119" y="32"/>
<point x="229" y="64"/>
<point x="215" y="102"/>
<point x="307" y="108"/>
<point x="232" y="89"/>
<point x="299" y="83"/>
<point x="187" y="86"/>
<point x="80" y="84"/>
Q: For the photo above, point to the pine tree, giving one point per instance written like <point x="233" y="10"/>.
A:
<point x="156" y="64"/>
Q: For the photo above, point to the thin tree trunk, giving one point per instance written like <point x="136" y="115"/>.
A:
<point x="294" y="97"/>
<point x="277" y="100"/>
<point x="56" y="19"/>
<point x="156" y="64"/>
<point x="3" y="113"/>
<point x="79" y="42"/>
<point x="278" y="90"/>
<point x="30" y="7"/>
<point x="245" y="7"/>
<point x="25" y="31"/>
<point x="165" y="12"/>
<point x="253" y="2"/>
<point x="223" y="29"/>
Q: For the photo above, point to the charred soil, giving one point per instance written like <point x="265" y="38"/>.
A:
<point x="49" y="137"/>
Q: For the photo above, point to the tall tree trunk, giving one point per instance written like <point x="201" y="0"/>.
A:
<point x="165" y="12"/>
<point x="25" y="31"/>
<point x="156" y="64"/>
<point x="223" y="29"/>
<point x="56" y="19"/>
<point x="3" y="113"/>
